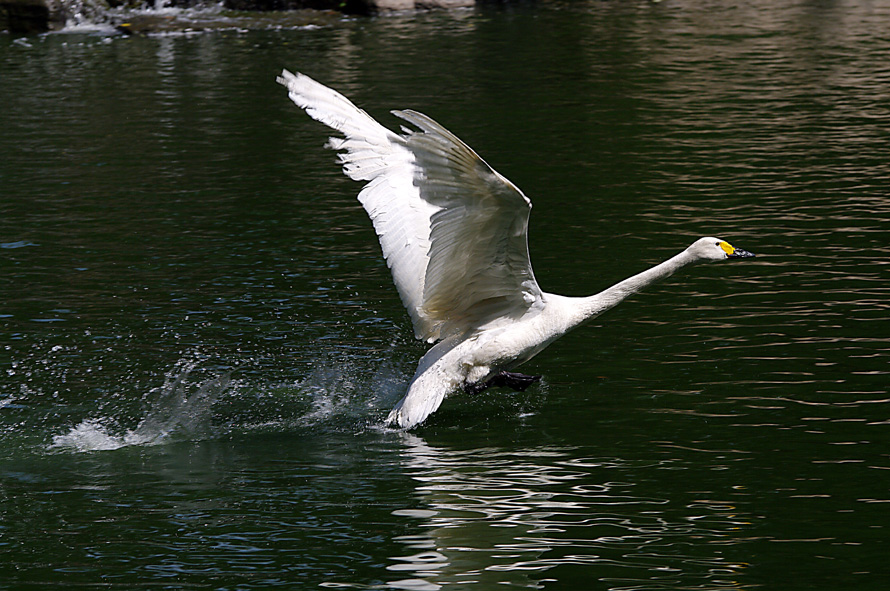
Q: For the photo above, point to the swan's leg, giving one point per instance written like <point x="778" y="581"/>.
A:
<point x="515" y="381"/>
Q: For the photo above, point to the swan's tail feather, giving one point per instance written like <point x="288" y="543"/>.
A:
<point x="423" y="398"/>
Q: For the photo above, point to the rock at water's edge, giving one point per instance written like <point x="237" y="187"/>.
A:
<point x="40" y="16"/>
<point x="30" y="16"/>
<point x="348" y="6"/>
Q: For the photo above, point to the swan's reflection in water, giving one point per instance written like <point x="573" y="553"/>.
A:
<point x="522" y="517"/>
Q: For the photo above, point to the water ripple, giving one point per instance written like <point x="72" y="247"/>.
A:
<point x="505" y="516"/>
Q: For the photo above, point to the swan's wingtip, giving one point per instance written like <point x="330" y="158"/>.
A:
<point x="286" y="78"/>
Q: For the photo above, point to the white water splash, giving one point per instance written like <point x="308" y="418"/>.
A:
<point x="92" y="435"/>
<point x="198" y="401"/>
<point x="178" y="410"/>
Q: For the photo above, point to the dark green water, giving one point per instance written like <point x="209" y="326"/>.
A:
<point x="198" y="338"/>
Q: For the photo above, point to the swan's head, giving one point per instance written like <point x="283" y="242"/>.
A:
<point x="716" y="249"/>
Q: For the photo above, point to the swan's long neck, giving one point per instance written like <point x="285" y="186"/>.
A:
<point x="593" y="306"/>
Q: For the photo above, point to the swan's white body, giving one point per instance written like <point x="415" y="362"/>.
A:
<point x="453" y="232"/>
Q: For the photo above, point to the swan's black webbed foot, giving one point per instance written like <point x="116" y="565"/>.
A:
<point x="515" y="381"/>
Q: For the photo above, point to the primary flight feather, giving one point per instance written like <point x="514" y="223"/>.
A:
<point x="454" y="234"/>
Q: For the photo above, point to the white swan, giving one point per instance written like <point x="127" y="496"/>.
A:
<point x="453" y="232"/>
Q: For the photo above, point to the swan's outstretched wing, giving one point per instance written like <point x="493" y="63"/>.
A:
<point x="453" y="231"/>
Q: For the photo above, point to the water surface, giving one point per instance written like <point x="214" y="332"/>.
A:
<point x="199" y="340"/>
